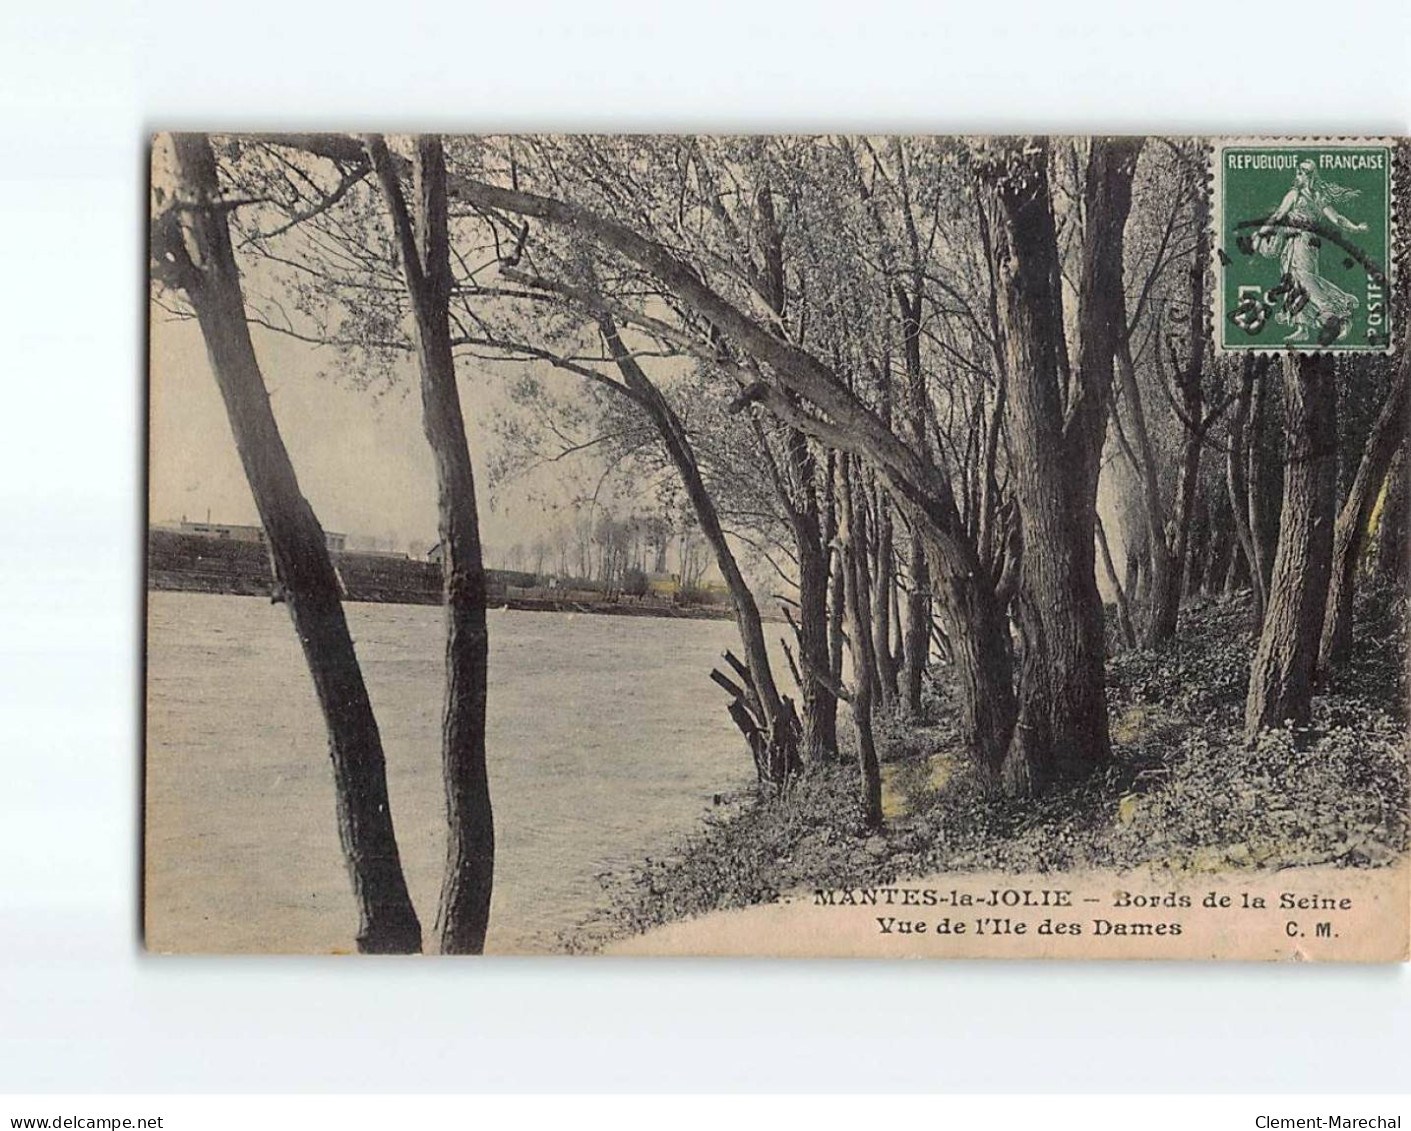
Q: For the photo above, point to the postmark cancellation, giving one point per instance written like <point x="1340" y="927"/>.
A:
<point x="1303" y="245"/>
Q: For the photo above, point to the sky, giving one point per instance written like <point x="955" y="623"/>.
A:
<point x="362" y="461"/>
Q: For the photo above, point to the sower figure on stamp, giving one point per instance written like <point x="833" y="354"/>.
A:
<point x="1313" y="305"/>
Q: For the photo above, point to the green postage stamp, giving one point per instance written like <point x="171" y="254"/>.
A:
<point x="1303" y="244"/>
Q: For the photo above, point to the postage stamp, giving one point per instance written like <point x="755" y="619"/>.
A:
<point x="1303" y="245"/>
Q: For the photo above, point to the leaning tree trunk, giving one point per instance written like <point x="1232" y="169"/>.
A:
<point x="1056" y="425"/>
<point x="193" y="251"/>
<point x="776" y="748"/>
<point x="1281" y="678"/>
<point x="1350" y="532"/>
<point x="464" y="914"/>
<point x="983" y="664"/>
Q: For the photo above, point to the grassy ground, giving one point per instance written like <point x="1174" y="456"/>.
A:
<point x="1183" y="790"/>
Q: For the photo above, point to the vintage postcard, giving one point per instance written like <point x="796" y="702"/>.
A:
<point x="778" y="546"/>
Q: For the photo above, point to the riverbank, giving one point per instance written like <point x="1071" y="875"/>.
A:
<point x="168" y="582"/>
<point x="623" y="608"/>
<point x="1182" y="792"/>
<point x="185" y="563"/>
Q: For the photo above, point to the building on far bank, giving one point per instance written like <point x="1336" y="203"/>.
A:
<point x="236" y="532"/>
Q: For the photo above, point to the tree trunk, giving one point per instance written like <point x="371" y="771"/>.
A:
<point x="852" y="534"/>
<point x="916" y="633"/>
<point x="1222" y="547"/>
<point x="464" y="914"/>
<point x="982" y="660"/>
<point x="1134" y="573"/>
<point x="781" y="756"/>
<point x="1391" y="526"/>
<point x="1167" y="534"/>
<point x="1237" y="478"/>
<point x="837" y="592"/>
<point x="837" y="614"/>
<point x="1257" y="480"/>
<point x="820" y="704"/>
<point x="1281" y="678"/>
<point x="883" y="581"/>
<point x="820" y="714"/>
<point x="861" y="537"/>
<point x="1124" y="613"/>
<point x="1150" y="577"/>
<point x="1167" y="586"/>
<point x="1198" y="540"/>
<point x="1236" y="573"/>
<point x="898" y="634"/>
<point x="1056" y="425"/>
<point x="192" y="249"/>
<point x="1350" y="532"/>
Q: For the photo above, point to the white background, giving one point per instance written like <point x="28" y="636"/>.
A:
<point x="82" y="84"/>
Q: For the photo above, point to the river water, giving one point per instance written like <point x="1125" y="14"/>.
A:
<point x="606" y="742"/>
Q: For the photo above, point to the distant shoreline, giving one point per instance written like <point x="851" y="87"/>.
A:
<point x="169" y="584"/>
<point x="615" y="608"/>
<point x="189" y="563"/>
